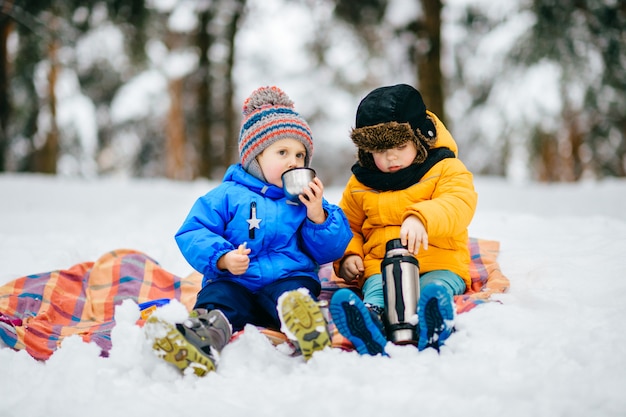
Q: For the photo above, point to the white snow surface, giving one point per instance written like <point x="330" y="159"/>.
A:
<point x="554" y="346"/>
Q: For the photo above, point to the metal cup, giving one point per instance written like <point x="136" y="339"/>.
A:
<point x="400" y="271"/>
<point x="296" y="180"/>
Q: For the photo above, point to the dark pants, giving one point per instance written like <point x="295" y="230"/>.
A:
<point x="242" y="306"/>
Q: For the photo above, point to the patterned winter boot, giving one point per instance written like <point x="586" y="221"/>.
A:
<point x="435" y="310"/>
<point x="360" y="325"/>
<point x="303" y="321"/>
<point x="193" y="344"/>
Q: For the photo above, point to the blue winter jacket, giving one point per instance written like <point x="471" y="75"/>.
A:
<point x="284" y="242"/>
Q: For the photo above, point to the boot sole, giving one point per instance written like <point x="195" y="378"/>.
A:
<point x="175" y="349"/>
<point x="353" y="321"/>
<point x="304" y="319"/>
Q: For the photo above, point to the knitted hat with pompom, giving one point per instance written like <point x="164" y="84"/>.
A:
<point x="269" y="115"/>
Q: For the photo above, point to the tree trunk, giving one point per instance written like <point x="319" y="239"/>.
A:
<point x="6" y="26"/>
<point x="231" y="150"/>
<point x="175" y="144"/>
<point x="571" y="155"/>
<point x="46" y="157"/>
<point x="548" y="158"/>
<point x="428" y="59"/>
<point x="204" y="115"/>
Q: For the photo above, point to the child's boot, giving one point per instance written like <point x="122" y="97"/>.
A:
<point x="302" y="320"/>
<point x="195" y="343"/>
<point x="360" y="325"/>
<point x="435" y="310"/>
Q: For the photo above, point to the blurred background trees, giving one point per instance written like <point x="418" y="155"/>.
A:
<point x="148" y="88"/>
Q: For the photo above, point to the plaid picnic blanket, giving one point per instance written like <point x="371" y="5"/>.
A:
<point x="38" y="311"/>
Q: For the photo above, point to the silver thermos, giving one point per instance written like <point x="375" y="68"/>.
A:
<point x="400" y="271"/>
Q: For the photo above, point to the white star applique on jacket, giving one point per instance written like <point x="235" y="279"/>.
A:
<point x="253" y="221"/>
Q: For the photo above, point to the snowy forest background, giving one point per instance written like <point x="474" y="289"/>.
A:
<point x="530" y="89"/>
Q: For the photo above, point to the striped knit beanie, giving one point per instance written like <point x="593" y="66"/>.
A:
<point x="269" y="115"/>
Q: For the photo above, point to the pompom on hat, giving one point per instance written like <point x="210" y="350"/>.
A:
<point x="390" y="116"/>
<point x="269" y="115"/>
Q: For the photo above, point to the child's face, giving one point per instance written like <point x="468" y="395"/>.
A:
<point x="394" y="159"/>
<point x="280" y="156"/>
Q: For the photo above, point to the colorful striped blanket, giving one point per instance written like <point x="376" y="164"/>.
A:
<point x="38" y="311"/>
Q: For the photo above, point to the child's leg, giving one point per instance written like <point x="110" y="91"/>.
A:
<point x="374" y="299"/>
<point x="453" y="283"/>
<point x="267" y="297"/>
<point x="373" y="287"/>
<point x="373" y="291"/>
<point x="234" y="300"/>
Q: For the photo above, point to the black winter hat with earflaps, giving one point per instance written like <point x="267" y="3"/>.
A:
<point x="388" y="117"/>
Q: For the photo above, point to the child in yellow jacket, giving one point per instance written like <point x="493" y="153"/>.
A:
<point x="408" y="183"/>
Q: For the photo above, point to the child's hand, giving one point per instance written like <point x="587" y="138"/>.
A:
<point x="413" y="234"/>
<point x="312" y="198"/>
<point x="351" y="268"/>
<point x="236" y="261"/>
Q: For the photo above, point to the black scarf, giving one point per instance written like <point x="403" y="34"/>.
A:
<point x="404" y="178"/>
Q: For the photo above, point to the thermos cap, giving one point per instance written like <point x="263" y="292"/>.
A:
<point x="394" y="244"/>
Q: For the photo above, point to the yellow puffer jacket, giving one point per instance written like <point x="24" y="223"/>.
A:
<point x="444" y="200"/>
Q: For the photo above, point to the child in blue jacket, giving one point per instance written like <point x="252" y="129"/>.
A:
<point x="256" y="248"/>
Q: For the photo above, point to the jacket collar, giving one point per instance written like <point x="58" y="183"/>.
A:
<point x="237" y="174"/>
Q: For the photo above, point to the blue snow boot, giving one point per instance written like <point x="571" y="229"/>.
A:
<point x="357" y="323"/>
<point x="435" y="310"/>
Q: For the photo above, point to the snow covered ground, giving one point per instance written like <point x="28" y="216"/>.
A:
<point x="556" y="346"/>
